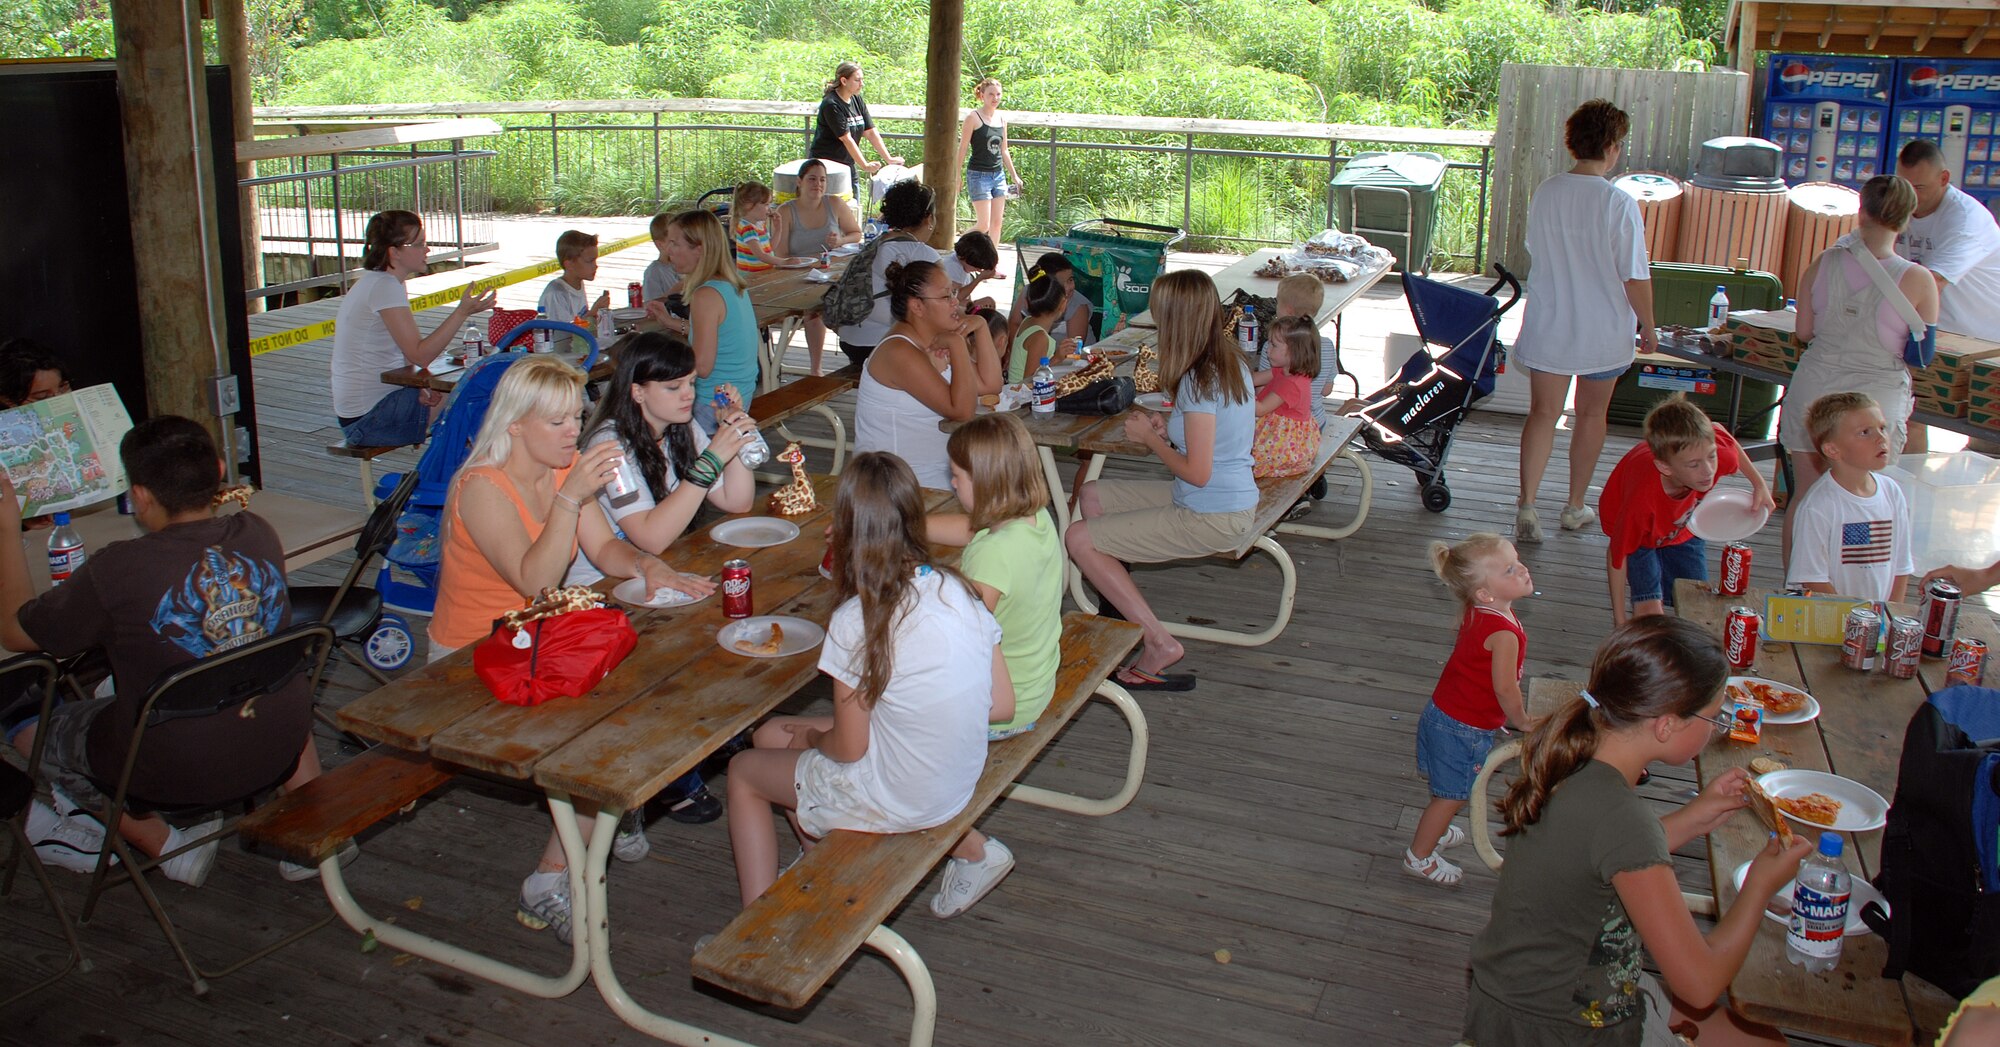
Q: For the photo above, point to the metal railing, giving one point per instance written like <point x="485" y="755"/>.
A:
<point x="1239" y="181"/>
<point x="322" y="202"/>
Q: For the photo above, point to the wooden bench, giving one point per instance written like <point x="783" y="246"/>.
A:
<point x="1275" y="497"/>
<point x="367" y="456"/>
<point x="788" y="943"/>
<point x="310" y="824"/>
<point x="802" y="395"/>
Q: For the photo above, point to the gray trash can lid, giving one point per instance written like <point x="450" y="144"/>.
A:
<point x="1400" y="170"/>
<point x="1740" y="164"/>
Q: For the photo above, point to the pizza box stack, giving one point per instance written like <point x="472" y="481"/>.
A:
<point x="1763" y="337"/>
<point x="1945" y="386"/>
<point x="1983" y="393"/>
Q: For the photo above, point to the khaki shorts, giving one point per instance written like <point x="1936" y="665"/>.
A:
<point x="1141" y="524"/>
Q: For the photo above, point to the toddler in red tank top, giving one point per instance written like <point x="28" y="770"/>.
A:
<point x="1478" y="692"/>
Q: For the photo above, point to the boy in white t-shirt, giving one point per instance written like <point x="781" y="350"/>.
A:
<point x="1851" y="536"/>
<point x="564" y="300"/>
<point x="972" y="261"/>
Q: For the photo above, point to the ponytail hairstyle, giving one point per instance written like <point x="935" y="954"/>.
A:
<point x="996" y="451"/>
<point x="880" y="544"/>
<point x="1462" y="567"/>
<point x="1192" y="342"/>
<point x="1653" y="666"/>
<point x="385" y="230"/>
<point x="905" y="283"/>
<point x="653" y="356"/>
<point x="1044" y="294"/>
<point x="842" y="72"/>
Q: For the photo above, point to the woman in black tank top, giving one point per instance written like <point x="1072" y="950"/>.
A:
<point x="982" y="146"/>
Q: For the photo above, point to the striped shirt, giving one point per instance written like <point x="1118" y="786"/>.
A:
<point x="749" y="235"/>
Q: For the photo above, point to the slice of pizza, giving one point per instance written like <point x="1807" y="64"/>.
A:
<point x="1765" y="807"/>
<point x="1817" y="808"/>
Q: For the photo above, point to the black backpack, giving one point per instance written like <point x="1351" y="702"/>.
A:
<point x="852" y="297"/>
<point x="1939" y="870"/>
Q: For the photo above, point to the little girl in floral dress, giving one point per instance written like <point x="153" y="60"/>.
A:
<point x="1287" y="442"/>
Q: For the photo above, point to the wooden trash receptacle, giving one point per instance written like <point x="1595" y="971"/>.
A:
<point x="1659" y="200"/>
<point x="1727" y="226"/>
<point x="1820" y="213"/>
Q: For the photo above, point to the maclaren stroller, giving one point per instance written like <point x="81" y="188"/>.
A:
<point x="1411" y="420"/>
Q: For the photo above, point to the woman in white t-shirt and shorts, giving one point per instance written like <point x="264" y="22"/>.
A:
<point x="1588" y="289"/>
<point x="376" y="332"/>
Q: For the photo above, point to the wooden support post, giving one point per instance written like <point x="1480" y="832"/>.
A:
<point x="1746" y="37"/>
<point x="162" y="97"/>
<point x="232" y="33"/>
<point x="941" y="116"/>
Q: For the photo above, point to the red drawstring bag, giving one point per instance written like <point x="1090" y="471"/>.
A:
<point x="562" y="656"/>
<point x="505" y="320"/>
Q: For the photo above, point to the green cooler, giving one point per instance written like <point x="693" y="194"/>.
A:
<point x="1680" y="297"/>
<point x="1392" y="199"/>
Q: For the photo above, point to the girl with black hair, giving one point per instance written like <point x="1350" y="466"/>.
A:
<point x="932" y="365"/>
<point x="1075" y="321"/>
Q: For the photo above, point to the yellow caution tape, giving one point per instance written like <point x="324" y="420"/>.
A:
<point x="324" y="328"/>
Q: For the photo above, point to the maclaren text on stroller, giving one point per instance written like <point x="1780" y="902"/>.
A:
<point x="1411" y="420"/>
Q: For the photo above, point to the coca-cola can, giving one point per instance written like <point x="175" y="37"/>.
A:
<point x="1940" y="618"/>
<point x="1968" y="662"/>
<point x="1906" y="646"/>
<point x="635" y="295"/>
<point x="1857" y="645"/>
<point x="1739" y="637"/>
<point x="736" y="589"/>
<point x="826" y="562"/>
<point x="1735" y="569"/>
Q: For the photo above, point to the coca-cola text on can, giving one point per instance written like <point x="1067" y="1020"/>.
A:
<point x="736" y="589"/>
<point x="1857" y="645"/>
<point x="635" y="294"/>
<point x="1940" y="618"/>
<point x="1739" y="637"/>
<point x="1735" y="569"/>
<point x="1906" y="646"/>
<point x="1968" y="662"/>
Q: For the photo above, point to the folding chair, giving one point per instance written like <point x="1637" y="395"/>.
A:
<point x="355" y="614"/>
<point x="219" y="686"/>
<point x="17" y="789"/>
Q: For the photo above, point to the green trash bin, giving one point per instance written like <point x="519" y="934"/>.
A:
<point x="1392" y="199"/>
<point x="1680" y="298"/>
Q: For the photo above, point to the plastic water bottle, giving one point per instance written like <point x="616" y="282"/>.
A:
<point x="472" y="345"/>
<point x="1791" y="305"/>
<point x="1718" y="308"/>
<point x="1078" y="350"/>
<point x="606" y="328"/>
<point x="543" y="343"/>
<point x="623" y="486"/>
<point x="1819" y="908"/>
<point x="1246" y="329"/>
<point x="755" y="452"/>
<point x="65" y="550"/>
<point x="1044" y="387"/>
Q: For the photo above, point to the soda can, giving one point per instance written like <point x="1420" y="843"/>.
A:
<point x="736" y="589"/>
<point x="826" y="562"/>
<point x="1735" y="569"/>
<point x="1940" y="618"/>
<point x="1739" y="637"/>
<point x="635" y="295"/>
<point x="1968" y="662"/>
<point x="1906" y="646"/>
<point x="1857" y="645"/>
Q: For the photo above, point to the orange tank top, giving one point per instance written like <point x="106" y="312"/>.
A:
<point x="471" y="594"/>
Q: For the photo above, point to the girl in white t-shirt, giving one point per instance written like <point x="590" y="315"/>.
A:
<point x="906" y="742"/>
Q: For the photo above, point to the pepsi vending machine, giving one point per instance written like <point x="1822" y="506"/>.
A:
<point x="1830" y="114"/>
<point x="1955" y="104"/>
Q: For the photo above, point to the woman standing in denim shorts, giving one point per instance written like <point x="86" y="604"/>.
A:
<point x="982" y="145"/>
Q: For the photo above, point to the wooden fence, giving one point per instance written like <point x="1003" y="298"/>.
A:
<point x="1672" y="114"/>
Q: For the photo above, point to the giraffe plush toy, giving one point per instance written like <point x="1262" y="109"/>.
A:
<point x="1145" y="372"/>
<point x="795" y="498"/>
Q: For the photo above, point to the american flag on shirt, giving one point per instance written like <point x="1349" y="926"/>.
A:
<point x="1866" y="542"/>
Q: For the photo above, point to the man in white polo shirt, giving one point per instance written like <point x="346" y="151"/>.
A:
<point x="1956" y="238"/>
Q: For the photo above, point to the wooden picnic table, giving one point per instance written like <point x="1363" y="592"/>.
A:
<point x="308" y="531"/>
<point x="1858" y="735"/>
<point x="675" y="700"/>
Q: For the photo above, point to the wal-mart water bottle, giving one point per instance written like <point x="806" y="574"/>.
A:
<point x="1718" y="308"/>
<point x="65" y="550"/>
<point x="1246" y="329"/>
<point x="1819" y="908"/>
<point x="754" y="453"/>
<point x="542" y="341"/>
<point x="1044" y="388"/>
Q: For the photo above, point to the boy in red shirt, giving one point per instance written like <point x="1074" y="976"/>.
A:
<point x="1647" y="501"/>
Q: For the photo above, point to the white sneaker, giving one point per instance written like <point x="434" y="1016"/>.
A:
<point x="966" y="881"/>
<point x="1527" y="525"/>
<point x="1578" y="517"/>
<point x="295" y="871"/>
<point x="191" y="867"/>
<point x="545" y="904"/>
<point x="631" y="844"/>
<point x="66" y="842"/>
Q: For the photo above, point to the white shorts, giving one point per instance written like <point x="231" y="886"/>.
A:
<point x="829" y="799"/>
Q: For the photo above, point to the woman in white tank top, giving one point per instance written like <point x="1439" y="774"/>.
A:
<point x="903" y="396"/>
<point x="1854" y="335"/>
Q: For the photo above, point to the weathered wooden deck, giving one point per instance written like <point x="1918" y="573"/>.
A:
<point x="1278" y="799"/>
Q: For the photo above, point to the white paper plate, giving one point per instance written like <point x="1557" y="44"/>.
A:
<point x="633" y="591"/>
<point x="754" y="532"/>
<point x="1863" y="892"/>
<point x="1727" y="515"/>
<point x="1806" y="713"/>
<point x="845" y="251"/>
<point x="799" y="635"/>
<point x="1152" y="401"/>
<point x="803" y="263"/>
<point x="1070" y="366"/>
<point x="628" y="313"/>
<point x="1861" y="808"/>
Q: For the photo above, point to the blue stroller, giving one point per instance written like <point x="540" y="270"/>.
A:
<point x="1411" y="420"/>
